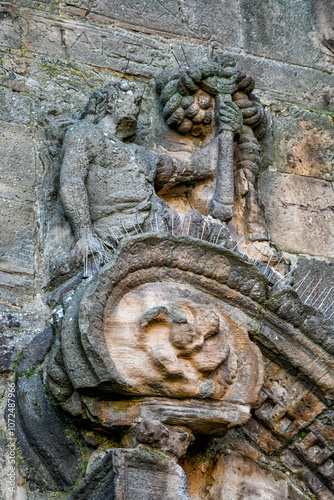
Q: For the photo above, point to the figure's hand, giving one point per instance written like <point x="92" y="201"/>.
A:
<point x="230" y="117"/>
<point x="88" y="245"/>
<point x="223" y="84"/>
<point x="252" y="111"/>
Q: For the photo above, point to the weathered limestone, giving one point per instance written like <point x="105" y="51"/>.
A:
<point x="304" y="143"/>
<point x="155" y="358"/>
<point x="124" y="474"/>
<point x="299" y="212"/>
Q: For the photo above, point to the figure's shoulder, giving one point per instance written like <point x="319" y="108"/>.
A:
<point x="145" y="153"/>
<point x="82" y="130"/>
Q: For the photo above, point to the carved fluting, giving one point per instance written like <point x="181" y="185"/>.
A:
<point x="247" y="160"/>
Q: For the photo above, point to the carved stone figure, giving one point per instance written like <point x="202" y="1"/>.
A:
<point x="107" y="183"/>
<point x="198" y="102"/>
<point x="154" y="347"/>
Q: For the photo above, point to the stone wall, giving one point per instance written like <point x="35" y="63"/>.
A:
<point x="53" y="54"/>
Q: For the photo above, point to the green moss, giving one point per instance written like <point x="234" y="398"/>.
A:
<point x="17" y="359"/>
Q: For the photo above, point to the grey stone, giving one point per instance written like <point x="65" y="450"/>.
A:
<point x="7" y="353"/>
<point x="317" y="292"/>
<point x="287" y="31"/>
<point x="14" y="107"/>
<point x="44" y="435"/>
<point x="300" y="213"/>
<point x="35" y="352"/>
<point x="60" y="292"/>
<point x="126" y="474"/>
<point x="17" y="197"/>
<point x="309" y="88"/>
<point x="9" y="326"/>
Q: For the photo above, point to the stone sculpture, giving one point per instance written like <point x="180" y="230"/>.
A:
<point x="154" y="347"/>
<point x="150" y="333"/>
<point x="107" y="182"/>
<point x="198" y="102"/>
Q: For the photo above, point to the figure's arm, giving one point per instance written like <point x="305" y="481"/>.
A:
<point x="172" y="171"/>
<point x="73" y="192"/>
<point x="202" y="164"/>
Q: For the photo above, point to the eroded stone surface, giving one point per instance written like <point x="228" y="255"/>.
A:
<point x="300" y="213"/>
<point x="56" y="52"/>
<point x="304" y="143"/>
<point x="296" y="33"/>
<point x="181" y="344"/>
<point x="235" y="476"/>
<point x="124" y="474"/>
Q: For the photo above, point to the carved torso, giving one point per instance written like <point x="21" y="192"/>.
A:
<point x="117" y="178"/>
<point x="119" y="184"/>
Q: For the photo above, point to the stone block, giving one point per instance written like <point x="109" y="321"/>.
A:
<point x="304" y="143"/>
<point x="17" y="198"/>
<point x="209" y="21"/>
<point x="299" y="212"/>
<point x="277" y="80"/>
<point x="124" y="474"/>
<point x="138" y="53"/>
<point x="318" y="291"/>
<point x="288" y="31"/>
<point x="261" y="436"/>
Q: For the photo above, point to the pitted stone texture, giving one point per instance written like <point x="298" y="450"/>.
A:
<point x="304" y="143"/>
<point x="290" y="32"/>
<point x="124" y="474"/>
<point x="17" y="170"/>
<point x="41" y="435"/>
<point x="237" y="477"/>
<point x="300" y="213"/>
<point x="7" y="353"/>
<point x="14" y="107"/>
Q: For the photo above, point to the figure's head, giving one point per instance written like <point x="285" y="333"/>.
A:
<point x="121" y="101"/>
